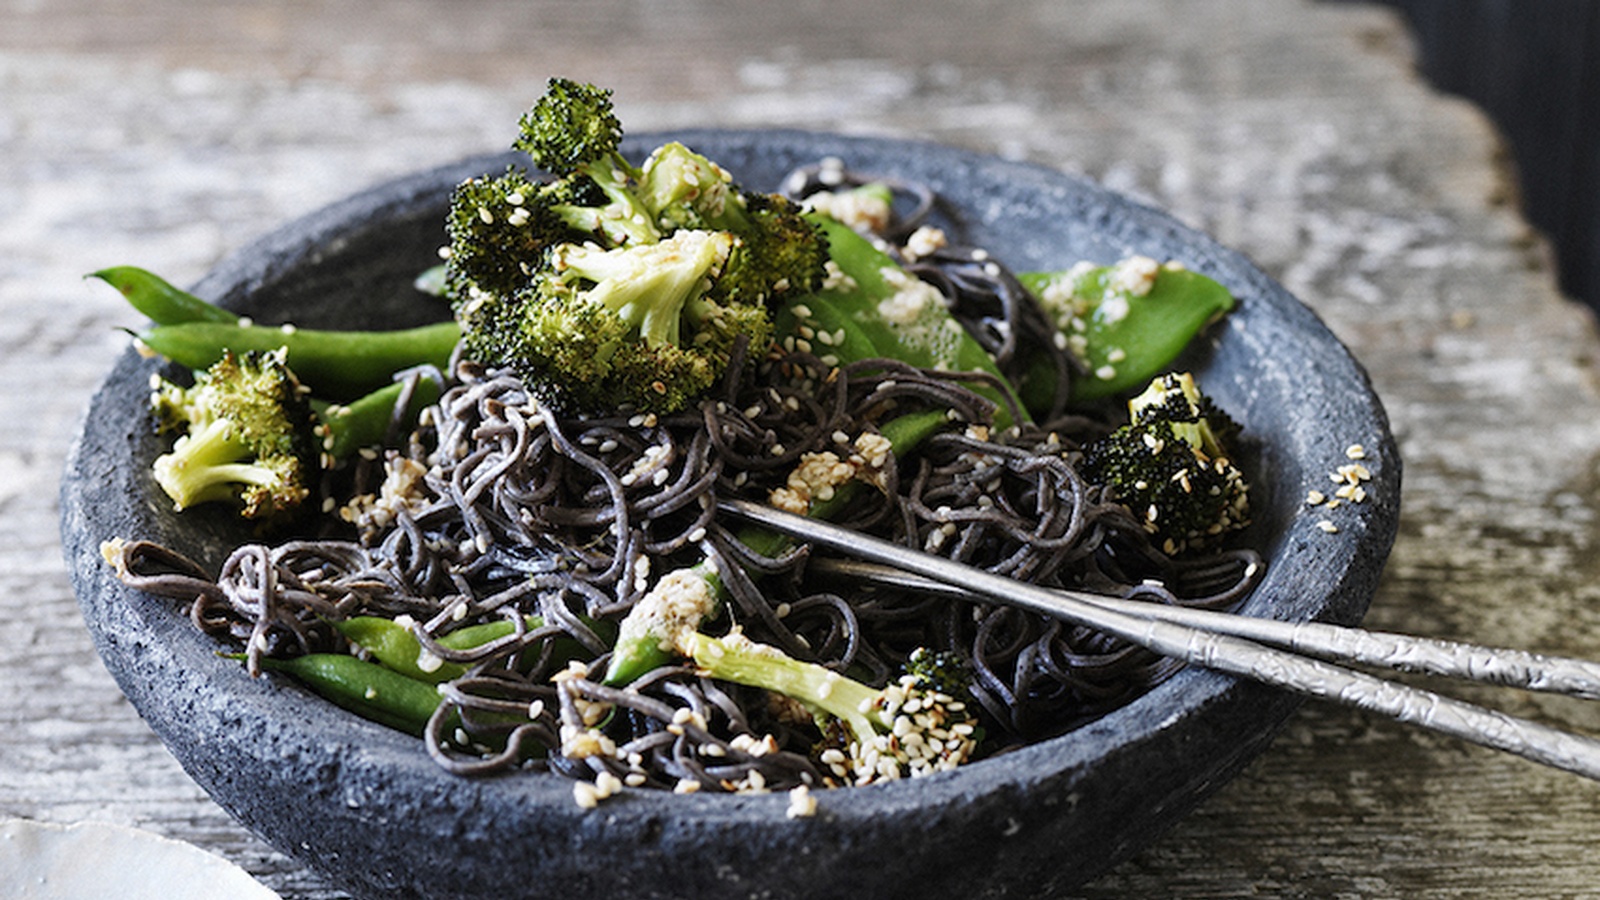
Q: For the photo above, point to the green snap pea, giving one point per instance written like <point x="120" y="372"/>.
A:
<point x="1124" y="339"/>
<point x="365" y="422"/>
<point x="859" y="319"/>
<point x="337" y="365"/>
<point x="367" y="689"/>
<point x="161" y="301"/>
<point x="395" y="647"/>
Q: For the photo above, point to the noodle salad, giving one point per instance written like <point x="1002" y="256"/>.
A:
<point x="503" y="535"/>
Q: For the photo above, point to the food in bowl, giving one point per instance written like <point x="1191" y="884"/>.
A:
<point x="984" y="790"/>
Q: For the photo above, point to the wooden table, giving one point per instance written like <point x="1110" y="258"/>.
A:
<point x="1294" y="131"/>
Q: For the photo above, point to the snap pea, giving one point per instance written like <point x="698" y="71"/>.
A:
<point x="365" y="688"/>
<point x="365" y="422"/>
<point x="1123" y="338"/>
<point x="337" y="365"/>
<point x="161" y="301"/>
<point x="860" y="318"/>
<point x="395" y="647"/>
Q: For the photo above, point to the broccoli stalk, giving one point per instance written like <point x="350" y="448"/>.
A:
<point x="876" y="742"/>
<point x="909" y="728"/>
<point x="1170" y="467"/>
<point x="247" y="436"/>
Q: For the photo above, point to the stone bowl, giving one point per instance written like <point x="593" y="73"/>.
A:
<point x="365" y="806"/>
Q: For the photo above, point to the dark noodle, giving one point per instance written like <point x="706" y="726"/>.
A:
<point x="497" y="508"/>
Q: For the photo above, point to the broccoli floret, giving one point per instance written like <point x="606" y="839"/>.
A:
<point x="776" y="249"/>
<point x="778" y="252"/>
<point x="944" y="671"/>
<point x="572" y="133"/>
<point x="906" y="729"/>
<point x="627" y="327"/>
<point x="683" y="189"/>
<point x="247" y="436"/>
<point x="1169" y="465"/>
<point x="613" y="286"/>
<point x="499" y="230"/>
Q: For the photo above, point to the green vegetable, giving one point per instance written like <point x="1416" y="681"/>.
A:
<point x="694" y="593"/>
<point x="336" y="365"/>
<point x="159" y="300"/>
<point x="1122" y="329"/>
<point x="364" y="422"/>
<point x="395" y="647"/>
<point x="879" y="742"/>
<point x="246" y="436"/>
<point x="367" y="689"/>
<point x="1169" y="466"/>
<point x="616" y="286"/>
<point x="880" y="310"/>
<point x="572" y="132"/>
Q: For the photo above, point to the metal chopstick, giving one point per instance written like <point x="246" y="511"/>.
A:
<point x="1336" y="643"/>
<point x="1250" y="656"/>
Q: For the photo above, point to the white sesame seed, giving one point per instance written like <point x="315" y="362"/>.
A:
<point x="585" y="794"/>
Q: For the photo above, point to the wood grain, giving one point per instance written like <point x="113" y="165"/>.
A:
<point x="167" y="133"/>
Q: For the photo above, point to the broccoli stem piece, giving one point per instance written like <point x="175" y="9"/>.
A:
<point x="688" y="596"/>
<point x="216" y="461"/>
<point x="908" y="728"/>
<point x="738" y="659"/>
<point x="649" y="287"/>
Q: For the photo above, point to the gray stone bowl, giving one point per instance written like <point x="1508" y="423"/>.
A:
<point x="365" y="806"/>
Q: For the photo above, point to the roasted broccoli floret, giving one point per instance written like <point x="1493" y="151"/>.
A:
<point x="1170" y="466"/>
<point x="944" y="671"/>
<point x="572" y="133"/>
<point x="907" y="729"/>
<point x="631" y="327"/>
<point x="776" y="249"/>
<point x="499" y="231"/>
<point x="246" y="436"/>
<point x="614" y="286"/>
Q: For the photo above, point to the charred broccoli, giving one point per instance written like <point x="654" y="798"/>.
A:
<point x="615" y="286"/>
<point x="246" y="436"/>
<point x="1170" y="466"/>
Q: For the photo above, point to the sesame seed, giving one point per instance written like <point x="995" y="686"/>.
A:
<point x="1328" y="527"/>
<point x="585" y="794"/>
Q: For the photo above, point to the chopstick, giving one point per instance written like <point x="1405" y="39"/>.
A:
<point x="1253" y="648"/>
